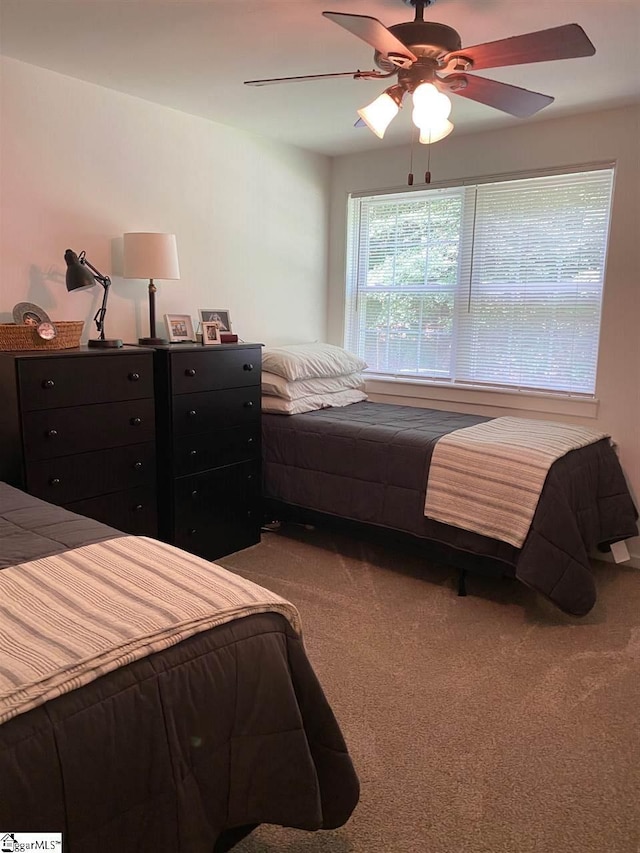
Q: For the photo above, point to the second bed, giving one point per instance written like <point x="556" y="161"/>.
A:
<point x="369" y="462"/>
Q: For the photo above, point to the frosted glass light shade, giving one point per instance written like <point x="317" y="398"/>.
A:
<point x="379" y="113"/>
<point x="436" y="132"/>
<point x="430" y="107"/>
<point x="150" y="255"/>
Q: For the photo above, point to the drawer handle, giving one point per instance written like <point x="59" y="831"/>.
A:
<point x="138" y="507"/>
<point x="192" y="413"/>
<point x="54" y="481"/>
<point x="193" y="453"/>
<point x="249" y="441"/>
<point x="249" y="476"/>
<point x="193" y="531"/>
<point x="48" y="383"/>
<point x="247" y="367"/>
<point x="135" y="421"/>
<point x="133" y="377"/>
<point x="190" y="371"/>
<point x="138" y="465"/>
<point x="249" y="513"/>
<point x="248" y="404"/>
<point x="51" y="433"/>
<point x="194" y="493"/>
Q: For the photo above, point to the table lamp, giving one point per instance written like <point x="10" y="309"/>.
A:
<point x="150" y="255"/>
<point x="79" y="278"/>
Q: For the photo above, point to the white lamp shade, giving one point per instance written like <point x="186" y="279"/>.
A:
<point x="378" y="114"/>
<point x="430" y="107"/>
<point x="435" y="132"/>
<point x="150" y="255"/>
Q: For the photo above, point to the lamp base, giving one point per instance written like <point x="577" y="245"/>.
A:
<point x="152" y="342"/>
<point x="108" y="343"/>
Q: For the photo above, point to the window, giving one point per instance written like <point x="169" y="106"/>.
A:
<point x="496" y="285"/>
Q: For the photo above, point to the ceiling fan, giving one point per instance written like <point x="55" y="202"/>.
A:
<point x="429" y="62"/>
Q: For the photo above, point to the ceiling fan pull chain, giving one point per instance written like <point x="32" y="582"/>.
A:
<point x="427" y="174"/>
<point x="410" y="175"/>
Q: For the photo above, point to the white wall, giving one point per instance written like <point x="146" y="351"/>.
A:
<point x="598" y="137"/>
<point x="80" y="165"/>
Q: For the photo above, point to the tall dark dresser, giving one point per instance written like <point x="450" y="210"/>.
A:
<point x="77" y="428"/>
<point x="209" y="446"/>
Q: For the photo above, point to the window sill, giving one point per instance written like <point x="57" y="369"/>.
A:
<point x="396" y="390"/>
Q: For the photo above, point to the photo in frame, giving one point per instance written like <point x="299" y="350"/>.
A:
<point x="210" y="333"/>
<point x="179" y="328"/>
<point x="220" y="316"/>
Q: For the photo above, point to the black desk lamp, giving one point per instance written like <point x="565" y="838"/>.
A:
<point x="79" y="278"/>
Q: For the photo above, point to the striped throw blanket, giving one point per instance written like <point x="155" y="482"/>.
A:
<point x="67" y="619"/>
<point x="488" y="478"/>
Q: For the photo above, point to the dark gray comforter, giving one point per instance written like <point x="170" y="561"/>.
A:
<point x="31" y="528"/>
<point x="225" y="730"/>
<point x="369" y="462"/>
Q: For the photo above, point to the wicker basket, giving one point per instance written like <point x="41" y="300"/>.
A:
<point x="16" y="337"/>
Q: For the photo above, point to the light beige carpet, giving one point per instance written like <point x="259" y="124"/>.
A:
<point x="486" y="724"/>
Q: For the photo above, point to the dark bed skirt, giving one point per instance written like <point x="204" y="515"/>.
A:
<point x="429" y="549"/>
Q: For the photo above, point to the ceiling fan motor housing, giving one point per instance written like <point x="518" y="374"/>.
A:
<point x="425" y="39"/>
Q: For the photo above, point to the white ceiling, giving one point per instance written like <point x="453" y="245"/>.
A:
<point x="193" y="55"/>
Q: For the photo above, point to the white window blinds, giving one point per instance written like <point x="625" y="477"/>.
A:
<point x="498" y="284"/>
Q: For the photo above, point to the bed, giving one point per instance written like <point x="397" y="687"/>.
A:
<point x="188" y="748"/>
<point x="368" y="463"/>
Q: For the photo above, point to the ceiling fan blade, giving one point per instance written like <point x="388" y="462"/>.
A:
<point x="375" y="34"/>
<point x="566" y="42"/>
<point x="354" y="74"/>
<point x="502" y="96"/>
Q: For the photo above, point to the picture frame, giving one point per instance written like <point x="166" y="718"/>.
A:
<point x="210" y="333"/>
<point x="220" y="316"/>
<point x="179" y="328"/>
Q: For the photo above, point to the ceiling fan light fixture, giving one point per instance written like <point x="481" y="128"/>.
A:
<point x="435" y="132"/>
<point x="379" y="114"/>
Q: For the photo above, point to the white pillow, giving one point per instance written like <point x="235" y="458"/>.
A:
<point x="278" y="386"/>
<point x="305" y="361"/>
<point x="277" y="405"/>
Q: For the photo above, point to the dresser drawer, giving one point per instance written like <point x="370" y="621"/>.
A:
<point x="193" y="453"/>
<point x="218" y="538"/>
<point x="85" y="475"/>
<point x="230" y="489"/>
<point x="218" y="512"/>
<point x="61" y="432"/>
<point x="49" y="383"/>
<point x="133" y="511"/>
<point x="211" y="410"/>
<point x="208" y="371"/>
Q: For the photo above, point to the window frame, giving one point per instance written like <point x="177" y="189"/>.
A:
<point x="456" y="390"/>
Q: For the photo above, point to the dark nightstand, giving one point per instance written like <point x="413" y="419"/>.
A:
<point x="77" y="428"/>
<point x="209" y="446"/>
